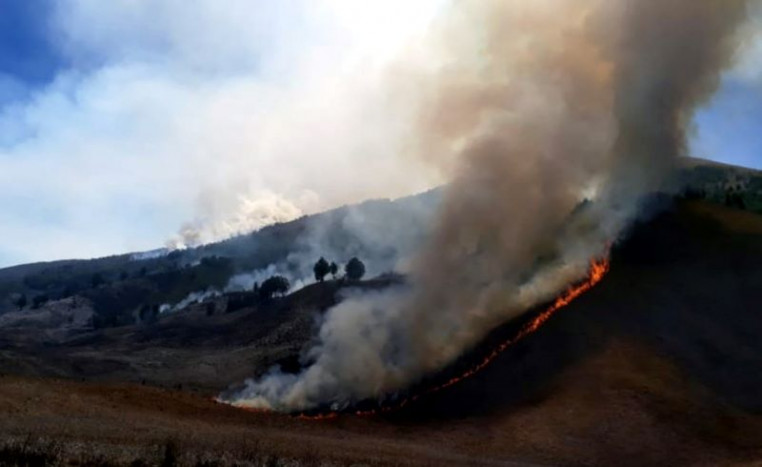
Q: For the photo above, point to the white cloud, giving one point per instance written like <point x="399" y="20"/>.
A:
<point x="176" y="111"/>
<point x="181" y="111"/>
<point x="748" y="67"/>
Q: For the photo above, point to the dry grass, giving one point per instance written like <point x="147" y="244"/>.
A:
<point x="658" y="365"/>
<point x="624" y="405"/>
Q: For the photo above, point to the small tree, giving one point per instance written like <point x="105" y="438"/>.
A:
<point x="39" y="300"/>
<point x="334" y="268"/>
<point x="97" y="280"/>
<point x="734" y="199"/>
<point x="355" y="269"/>
<point x="272" y="286"/>
<point x="144" y="313"/>
<point x="321" y="269"/>
<point x="21" y="301"/>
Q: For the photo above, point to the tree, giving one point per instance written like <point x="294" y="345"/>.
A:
<point x="39" y="300"/>
<point x="144" y="313"/>
<point x="355" y="269"/>
<point x="334" y="268"/>
<point x="321" y="269"/>
<point x="272" y="286"/>
<point x="21" y="301"/>
<point x="734" y="199"/>
<point x="96" y="280"/>
<point x="69" y="291"/>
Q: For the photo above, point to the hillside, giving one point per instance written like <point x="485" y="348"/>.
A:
<point x="384" y="233"/>
<point x="381" y="232"/>
<point x="656" y="365"/>
<point x="721" y="183"/>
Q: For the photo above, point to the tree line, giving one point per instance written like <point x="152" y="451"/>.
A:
<point x="354" y="269"/>
<point x="278" y="285"/>
<point x="274" y="286"/>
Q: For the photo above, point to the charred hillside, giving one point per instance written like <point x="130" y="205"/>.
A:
<point x="675" y="324"/>
<point x="655" y="365"/>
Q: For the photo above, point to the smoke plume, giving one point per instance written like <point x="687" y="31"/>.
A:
<point x="532" y="107"/>
<point x="249" y="213"/>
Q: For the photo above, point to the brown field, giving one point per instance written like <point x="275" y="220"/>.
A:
<point x="658" y="365"/>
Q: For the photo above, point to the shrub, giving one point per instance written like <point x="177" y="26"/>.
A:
<point x="21" y="301"/>
<point x="274" y="286"/>
<point x="321" y="269"/>
<point x="355" y="269"/>
<point x="39" y="300"/>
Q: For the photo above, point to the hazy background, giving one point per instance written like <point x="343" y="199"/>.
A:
<point x="127" y="124"/>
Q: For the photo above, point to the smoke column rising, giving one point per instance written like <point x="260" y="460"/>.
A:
<point x="532" y="106"/>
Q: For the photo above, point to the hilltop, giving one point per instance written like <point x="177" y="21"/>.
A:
<point x="658" y="364"/>
<point x="114" y="290"/>
<point x="655" y="365"/>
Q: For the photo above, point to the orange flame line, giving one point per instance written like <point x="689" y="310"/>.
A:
<point x="598" y="269"/>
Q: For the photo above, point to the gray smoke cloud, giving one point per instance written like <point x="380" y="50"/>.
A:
<point x="532" y="107"/>
<point x="386" y="234"/>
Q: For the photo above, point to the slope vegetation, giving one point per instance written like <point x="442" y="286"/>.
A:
<point x="659" y="364"/>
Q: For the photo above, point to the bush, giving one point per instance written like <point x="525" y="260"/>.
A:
<point x="97" y="280"/>
<point x="30" y="453"/>
<point x="321" y="269"/>
<point x="21" y="301"/>
<point x="355" y="269"/>
<point x="39" y="300"/>
<point x="169" y="459"/>
<point x="240" y="300"/>
<point x="734" y="199"/>
<point x="274" y="286"/>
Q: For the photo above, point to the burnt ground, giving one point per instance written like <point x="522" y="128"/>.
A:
<point x="657" y="365"/>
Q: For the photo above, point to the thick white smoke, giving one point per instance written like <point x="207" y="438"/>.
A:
<point x="386" y="234"/>
<point x="219" y="219"/>
<point x="531" y="106"/>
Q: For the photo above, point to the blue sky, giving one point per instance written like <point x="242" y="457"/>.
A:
<point x="728" y="127"/>
<point x="122" y="121"/>
<point x="27" y="49"/>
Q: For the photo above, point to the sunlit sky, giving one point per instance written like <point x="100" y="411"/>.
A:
<point x="119" y="117"/>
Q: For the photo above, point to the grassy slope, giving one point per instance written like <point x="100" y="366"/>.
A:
<point x="190" y="349"/>
<point x="659" y="364"/>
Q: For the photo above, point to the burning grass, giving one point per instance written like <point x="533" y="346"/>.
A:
<point x="598" y="270"/>
<point x="603" y="382"/>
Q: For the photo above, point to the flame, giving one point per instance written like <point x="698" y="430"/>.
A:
<point x="598" y="270"/>
<point x="324" y="416"/>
